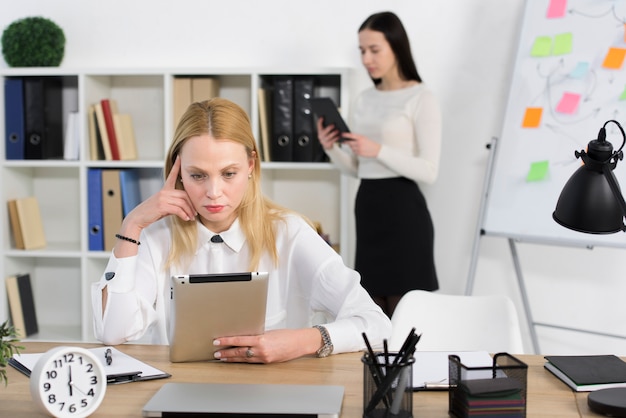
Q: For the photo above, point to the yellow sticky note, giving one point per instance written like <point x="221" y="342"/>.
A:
<point x="532" y="117"/>
<point x="542" y="47"/>
<point x="614" y="58"/>
<point x="538" y="171"/>
<point x="562" y="44"/>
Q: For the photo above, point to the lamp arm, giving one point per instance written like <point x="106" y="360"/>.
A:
<point x="608" y="174"/>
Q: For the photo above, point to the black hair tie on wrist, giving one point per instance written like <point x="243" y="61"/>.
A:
<point x="127" y="239"/>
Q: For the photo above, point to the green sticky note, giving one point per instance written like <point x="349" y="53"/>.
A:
<point x="562" y="44"/>
<point x="538" y="171"/>
<point x="542" y="46"/>
<point x="623" y="95"/>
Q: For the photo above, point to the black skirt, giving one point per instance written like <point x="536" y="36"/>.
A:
<point x="394" y="237"/>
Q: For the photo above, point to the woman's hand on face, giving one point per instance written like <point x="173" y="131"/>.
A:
<point x="167" y="201"/>
<point x="327" y="135"/>
<point x="272" y="347"/>
<point x="361" y="145"/>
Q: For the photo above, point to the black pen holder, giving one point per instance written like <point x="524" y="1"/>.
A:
<point x="387" y="387"/>
<point x="498" y="390"/>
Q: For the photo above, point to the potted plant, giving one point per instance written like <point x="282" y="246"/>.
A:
<point x="8" y="347"/>
<point x="33" y="42"/>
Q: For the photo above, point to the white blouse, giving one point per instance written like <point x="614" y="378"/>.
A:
<point x="407" y="124"/>
<point x="310" y="281"/>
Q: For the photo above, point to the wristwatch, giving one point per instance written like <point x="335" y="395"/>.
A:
<point x="327" y="348"/>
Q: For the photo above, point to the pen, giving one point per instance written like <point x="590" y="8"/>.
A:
<point x="108" y="356"/>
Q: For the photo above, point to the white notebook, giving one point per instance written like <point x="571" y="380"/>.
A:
<point x="245" y="400"/>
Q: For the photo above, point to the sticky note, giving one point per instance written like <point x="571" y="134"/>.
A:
<point x="580" y="70"/>
<point x="562" y="44"/>
<point x="614" y="58"/>
<point x="538" y="171"/>
<point x="541" y="47"/>
<point x="568" y="103"/>
<point x="623" y="95"/>
<point x="556" y="9"/>
<point x="532" y="117"/>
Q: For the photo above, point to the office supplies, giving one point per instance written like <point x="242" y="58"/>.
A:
<point x="43" y="117"/>
<point x="22" y="305"/>
<point x="108" y="357"/>
<point x="207" y="306"/>
<point x="112" y="209"/>
<point x="94" y="209"/>
<point x="123" y="368"/>
<point x="281" y="148"/>
<point x="585" y="373"/>
<point x="402" y="359"/>
<point x="246" y="400"/>
<point x="14" y="118"/>
<point x="430" y="371"/>
<point x="303" y="122"/>
<point x="325" y="107"/>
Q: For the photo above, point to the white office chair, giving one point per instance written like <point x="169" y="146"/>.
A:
<point x="457" y="323"/>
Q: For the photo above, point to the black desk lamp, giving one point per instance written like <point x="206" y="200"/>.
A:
<point x="591" y="202"/>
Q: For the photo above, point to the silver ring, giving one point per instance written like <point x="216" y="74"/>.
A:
<point x="249" y="352"/>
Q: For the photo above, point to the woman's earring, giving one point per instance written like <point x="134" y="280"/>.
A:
<point x="249" y="176"/>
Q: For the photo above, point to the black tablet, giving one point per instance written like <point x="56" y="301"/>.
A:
<point x="325" y="107"/>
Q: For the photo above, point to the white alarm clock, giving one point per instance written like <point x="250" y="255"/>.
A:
<point x="68" y="382"/>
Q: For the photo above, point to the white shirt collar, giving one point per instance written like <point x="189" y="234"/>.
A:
<point x="234" y="237"/>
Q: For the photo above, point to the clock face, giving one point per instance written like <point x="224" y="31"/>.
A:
<point x="68" y="382"/>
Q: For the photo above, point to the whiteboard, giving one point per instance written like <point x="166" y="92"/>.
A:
<point x="569" y="78"/>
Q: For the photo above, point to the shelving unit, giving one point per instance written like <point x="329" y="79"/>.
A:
<point x="63" y="271"/>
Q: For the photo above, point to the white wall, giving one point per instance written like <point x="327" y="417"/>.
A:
<point x="464" y="50"/>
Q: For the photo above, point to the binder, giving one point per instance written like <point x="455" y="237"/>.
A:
<point x="14" y="118"/>
<point x="181" y="97"/>
<point x="303" y="120"/>
<point x="281" y="147"/>
<point x="111" y="206"/>
<point x="43" y="118"/>
<point x="94" y="209"/>
<point x="22" y="305"/>
<point x="131" y="195"/>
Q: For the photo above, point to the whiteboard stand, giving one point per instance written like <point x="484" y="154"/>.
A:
<point x="476" y="247"/>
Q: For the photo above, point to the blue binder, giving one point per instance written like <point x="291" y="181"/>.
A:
<point x="94" y="209"/>
<point x="14" y="118"/>
<point x="129" y="184"/>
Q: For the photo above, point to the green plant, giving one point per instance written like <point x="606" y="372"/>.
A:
<point x="8" y="338"/>
<point x="33" y="42"/>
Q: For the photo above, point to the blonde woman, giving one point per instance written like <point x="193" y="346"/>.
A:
<point x="212" y="188"/>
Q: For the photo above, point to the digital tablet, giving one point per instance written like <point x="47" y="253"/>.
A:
<point x="206" y="306"/>
<point x="325" y="107"/>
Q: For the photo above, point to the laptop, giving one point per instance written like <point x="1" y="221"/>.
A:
<point x="206" y="306"/>
<point x="245" y="400"/>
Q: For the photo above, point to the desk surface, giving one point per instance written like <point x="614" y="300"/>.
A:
<point x="547" y="396"/>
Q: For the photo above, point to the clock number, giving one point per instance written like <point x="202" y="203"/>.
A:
<point x="89" y="368"/>
<point x="91" y="393"/>
<point x="46" y="386"/>
<point x="52" y="374"/>
<point x="94" y="380"/>
<point x="72" y="408"/>
<point x="52" y="398"/>
<point x="83" y="403"/>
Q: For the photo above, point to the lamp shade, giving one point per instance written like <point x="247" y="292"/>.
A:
<point x="587" y="204"/>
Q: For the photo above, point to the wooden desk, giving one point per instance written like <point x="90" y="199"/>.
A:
<point x="547" y="396"/>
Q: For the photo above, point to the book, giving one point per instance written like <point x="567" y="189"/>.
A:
<point x="264" y="123"/>
<point x="102" y="131"/>
<point x="181" y="97"/>
<point x="95" y="145"/>
<point x="123" y="368"/>
<point x="108" y="109"/>
<point x="26" y="223"/>
<point x="111" y="206"/>
<point x="22" y="305"/>
<point x="586" y="373"/>
<point x="125" y="132"/>
<point x="72" y="137"/>
<point x="14" y="118"/>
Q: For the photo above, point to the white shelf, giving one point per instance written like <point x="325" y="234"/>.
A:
<point x="63" y="271"/>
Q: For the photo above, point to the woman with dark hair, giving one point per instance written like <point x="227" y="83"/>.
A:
<point x="395" y="144"/>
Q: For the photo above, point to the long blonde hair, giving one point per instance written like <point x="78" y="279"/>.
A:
<point x="223" y="119"/>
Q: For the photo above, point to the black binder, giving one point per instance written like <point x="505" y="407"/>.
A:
<point x="304" y="137"/>
<point x="281" y="147"/>
<point x="43" y="118"/>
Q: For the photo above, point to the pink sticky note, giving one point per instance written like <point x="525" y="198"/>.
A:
<point x="568" y="103"/>
<point x="556" y="9"/>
